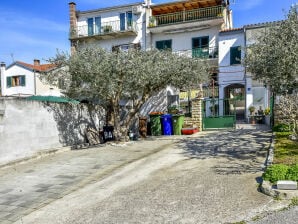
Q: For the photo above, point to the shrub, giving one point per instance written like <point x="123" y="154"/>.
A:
<point x="292" y="173"/>
<point x="282" y="128"/>
<point x="275" y="172"/>
<point x="284" y="134"/>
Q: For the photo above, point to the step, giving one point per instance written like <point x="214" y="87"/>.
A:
<point x="286" y="185"/>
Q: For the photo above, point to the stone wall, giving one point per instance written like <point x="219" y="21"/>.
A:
<point x="30" y="127"/>
<point x="196" y="119"/>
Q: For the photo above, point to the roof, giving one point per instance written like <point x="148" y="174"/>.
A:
<point x="232" y="30"/>
<point x="175" y="6"/>
<point x="256" y="25"/>
<point x="109" y="8"/>
<point x="38" y="68"/>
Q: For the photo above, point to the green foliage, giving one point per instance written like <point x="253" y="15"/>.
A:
<point x="285" y="149"/>
<point x="284" y="134"/>
<point x="281" y="172"/>
<point x="294" y="201"/>
<point x="281" y="128"/>
<point x="272" y="59"/>
<point x="292" y="173"/>
<point x="109" y="77"/>
<point x="267" y="111"/>
<point x="275" y="172"/>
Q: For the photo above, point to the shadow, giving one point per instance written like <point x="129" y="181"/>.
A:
<point x="242" y="150"/>
<point x="73" y="119"/>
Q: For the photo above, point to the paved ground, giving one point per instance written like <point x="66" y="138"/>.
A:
<point x="211" y="177"/>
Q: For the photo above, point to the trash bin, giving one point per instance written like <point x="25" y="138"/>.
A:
<point x="108" y="133"/>
<point x="143" y="127"/>
<point x="178" y="120"/>
<point x="155" y="125"/>
<point x="167" y="127"/>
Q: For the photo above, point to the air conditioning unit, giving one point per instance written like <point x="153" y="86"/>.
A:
<point x="137" y="9"/>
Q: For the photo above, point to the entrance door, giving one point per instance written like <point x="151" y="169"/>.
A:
<point x="235" y="103"/>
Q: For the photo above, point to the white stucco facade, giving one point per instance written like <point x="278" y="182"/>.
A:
<point x="112" y="17"/>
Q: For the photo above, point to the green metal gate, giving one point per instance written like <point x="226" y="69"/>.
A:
<point x="220" y="113"/>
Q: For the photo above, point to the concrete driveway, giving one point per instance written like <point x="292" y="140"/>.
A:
<point x="210" y="177"/>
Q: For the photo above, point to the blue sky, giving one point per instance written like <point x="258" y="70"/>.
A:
<point x="35" y="29"/>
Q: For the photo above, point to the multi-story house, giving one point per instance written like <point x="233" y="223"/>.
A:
<point x="188" y="27"/>
<point x="234" y="85"/>
<point x="238" y="91"/>
<point x="119" y="27"/>
<point x="23" y="79"/>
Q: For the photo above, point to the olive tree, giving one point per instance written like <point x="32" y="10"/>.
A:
<point x="288" y="110"/>
<point x="109" y="77"/>
<point x="273" y="57"/>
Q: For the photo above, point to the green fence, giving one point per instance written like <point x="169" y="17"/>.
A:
<point x="220" y="113"/>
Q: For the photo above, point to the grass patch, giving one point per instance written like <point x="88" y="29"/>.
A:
<point x="294" y="201"/>
<point x="285" y="150"/>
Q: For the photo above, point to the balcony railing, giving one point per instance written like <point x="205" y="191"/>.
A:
<point x="201" y="52"/>
<point x="186" y="16"/>
<point x="103" y="29"/>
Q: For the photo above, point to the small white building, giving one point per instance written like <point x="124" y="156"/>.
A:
<point x="23" y="79"/>
<point x="237" y="90"/>
<point x="234" y="85"/>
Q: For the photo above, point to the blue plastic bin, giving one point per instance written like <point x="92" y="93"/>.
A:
<point x="166" y="123"/>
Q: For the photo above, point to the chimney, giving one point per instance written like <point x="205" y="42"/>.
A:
<point x="36" y="62"/>
<point x="3" y="64"/>
<point x="73" y="25"/>
<point x="72" y="15"/>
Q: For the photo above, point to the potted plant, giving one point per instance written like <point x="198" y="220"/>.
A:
<point x="107" y="29"/>
<point x="267" y="115"/>
<point x="251" y="110"/>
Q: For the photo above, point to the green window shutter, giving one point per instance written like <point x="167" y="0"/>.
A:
<point x="22" y="80"/>
<point x="168" y="44"/>
<point x="235" y="55"/>
<point x="159" y="45"/>
<point x="163" y="44"/>
<point x="8" y="81"/>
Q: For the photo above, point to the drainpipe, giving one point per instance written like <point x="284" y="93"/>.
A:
<point x="34" y="75"/>
<point x="2" y="78"/>
<point x="245" y="77"/>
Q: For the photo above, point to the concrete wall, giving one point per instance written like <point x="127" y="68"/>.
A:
<point x="29" y="127"/>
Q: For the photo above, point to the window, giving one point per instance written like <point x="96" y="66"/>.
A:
<point x="164" y="44"/>
<point x="200" y="47"/>
<point x="12" y="81"/>
<point x="235" y="55"/>
<point x="129" y="19"/>
<point x="90" y="26"/>
<point x="97" y="25"/>
<point x="126" y="47"/>
<point x="94" y="25"/>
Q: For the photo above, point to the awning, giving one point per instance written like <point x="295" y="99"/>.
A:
<point x="54" y="99"/>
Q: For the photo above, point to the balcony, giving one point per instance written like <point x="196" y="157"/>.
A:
<point x="200" y="52"/>
<point x="104" y="31"/>
<point x="201" y="17"/>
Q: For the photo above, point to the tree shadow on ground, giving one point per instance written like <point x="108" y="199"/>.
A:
<point x="243" y="149"/>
